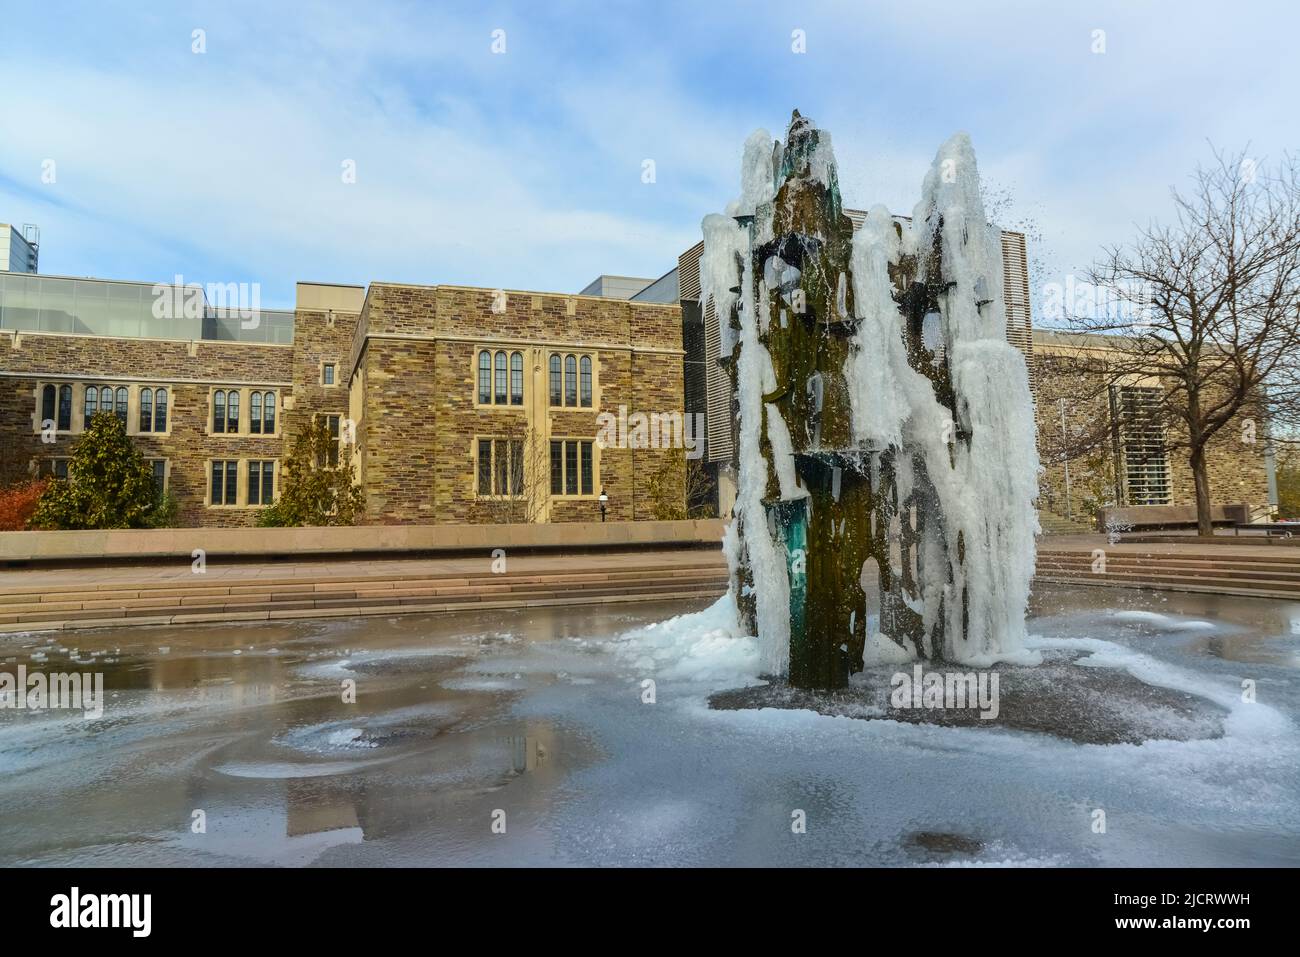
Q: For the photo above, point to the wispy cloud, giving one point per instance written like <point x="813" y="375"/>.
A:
<point x="524" y="169"/>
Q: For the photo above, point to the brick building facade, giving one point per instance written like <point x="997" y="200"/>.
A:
<point x="474" y="405"/>
<point x="1094" y="451"/>
<point x="215" y="406"/>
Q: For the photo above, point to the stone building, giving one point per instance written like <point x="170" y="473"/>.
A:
<point x="214" y="394"/>
<point x="1100" y="445"/>
<point x="479" y="405"/>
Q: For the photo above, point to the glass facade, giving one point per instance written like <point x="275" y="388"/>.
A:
<point x="99" y="307"/>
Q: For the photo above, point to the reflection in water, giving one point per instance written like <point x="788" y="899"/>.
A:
<point x="528" y="711"/>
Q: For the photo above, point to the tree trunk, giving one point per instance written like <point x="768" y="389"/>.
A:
<point x="1202" y="480"/>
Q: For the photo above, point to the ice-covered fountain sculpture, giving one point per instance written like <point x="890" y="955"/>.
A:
<point x="885" y="458"/>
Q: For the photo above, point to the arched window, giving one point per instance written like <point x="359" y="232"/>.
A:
<point x="255" y="413"/>
<point x="570" y="380"/>
<point x="219" y="411"/>
<point x="160" y="416"/>
<point x="586" y="382"/>
<point x="47" y="405"/>
<point x="557" y="385"/>
<point x="92" y="405"/>
<point x="146" y="410"/>
<point x="65" y="407"/>
<point x="268" y="413"/>
<point x="121" y="403"/>
<point x="484" y="377"/>
<point x="500" y="391"/>
<point x="516" y="378"/>
<point x="232" y="411"/>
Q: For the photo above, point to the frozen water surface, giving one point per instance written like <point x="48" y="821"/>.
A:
<point x="542" y="714"/>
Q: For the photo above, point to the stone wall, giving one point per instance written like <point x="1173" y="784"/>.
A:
<point x="1235" y="456"/>
<point x="412" y="394"/>
<point x="189" y="370"/>
<point x="416" y="350"/>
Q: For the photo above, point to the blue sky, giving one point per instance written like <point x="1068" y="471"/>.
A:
<point x="524" y="169"/>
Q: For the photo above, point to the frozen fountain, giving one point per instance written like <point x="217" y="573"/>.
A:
<point x="885" y="457"/>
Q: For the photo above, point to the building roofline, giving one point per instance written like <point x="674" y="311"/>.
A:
<point x="519" y="292"/>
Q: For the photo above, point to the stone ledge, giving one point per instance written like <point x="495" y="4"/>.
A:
<point x="172" y="543"/>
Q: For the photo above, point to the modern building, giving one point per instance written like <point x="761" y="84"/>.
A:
<point x="19" y="251"/>
<point x="459" y="405"/>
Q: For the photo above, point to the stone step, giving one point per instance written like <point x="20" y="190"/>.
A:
<point x="1139" y="579"/>
<point x="1172" y="586"/>
<point x="1263" y="559"/>
<point x="345" y="609"/>
<point x="1229" y="574"/>
<point x="175" y="604"/>
<point x="349" y="583"/>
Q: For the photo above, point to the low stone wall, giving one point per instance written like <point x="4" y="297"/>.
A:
<point x="388" y="540"/>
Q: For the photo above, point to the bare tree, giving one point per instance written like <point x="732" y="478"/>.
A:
<point x="520" y="478"/>
<point x="1208" y="306"/>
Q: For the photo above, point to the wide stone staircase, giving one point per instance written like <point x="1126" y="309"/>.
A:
<point x="138" y="596"/>
<point x="1260" y="570"/>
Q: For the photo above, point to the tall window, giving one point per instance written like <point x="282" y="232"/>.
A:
<point x="225" y="483"/>
<point x="572" y="467"/>
<point x="219" y="411"/>
<point x="500" y="467"/>
<point x="47" y="405"/>
<point x="261" y="483"/>
<point x="557" y="381"/>
<point x="65" y="408"/>
<point x="120" y="406"/>
<point x="332" y="422"/>
<point x="585" y="467"/>
<point x="485" y="466"/>
<point x="159" y="467"/>
<point x="500" y="392"/>
<point x="232" y="411"/>
<point x="570" y="380"/>
<point x="261" y="413"/>
<point x="1146" y="460"/>
<point x="484" y="377"/>
<point x="516" y="378"/>
<point x="153" y="410"/>
<point x="92" y="404"/>
<point x="570" y="387"/>
<point x="327" y="373"/>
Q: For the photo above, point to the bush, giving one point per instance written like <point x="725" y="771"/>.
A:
<point x="18" y="504"/>
<point x="165" y="512"/>
<point x="312" y="491"/>
<point x="109" y="484"/>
